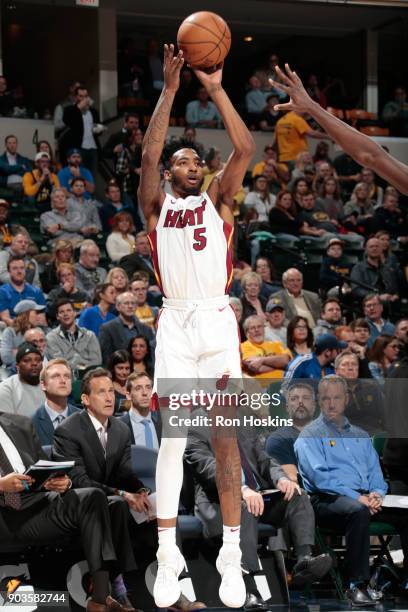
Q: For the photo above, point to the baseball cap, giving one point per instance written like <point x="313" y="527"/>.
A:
<point x="328" y="342"/>
<point x="25" y="349"/>
<point x="335" y="241"/>
<point x="73" y="152"/>
<point x="271" y="306"/>
<point x="41" y="155"/>
<point x="4" y="203"/>
<point x="26" y="305"/>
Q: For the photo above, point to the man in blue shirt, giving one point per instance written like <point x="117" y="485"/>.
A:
<point x="16" y="290"/>
<point x="144" y="425"/>
<point x="202" y="112"/>
<point x="317" y="364"/>
<point x="74" y="169"/>
<point x="341" y="471"/>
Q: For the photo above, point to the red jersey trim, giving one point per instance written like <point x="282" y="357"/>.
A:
<point x="228" y="233"/>
<point x="152" y="237"/>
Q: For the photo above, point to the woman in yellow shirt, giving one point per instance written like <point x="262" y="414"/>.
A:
<point x="39" y="183"/>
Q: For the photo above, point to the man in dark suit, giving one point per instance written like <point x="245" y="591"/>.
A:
<point x="145" y="426"/>
<point x="57" y="510"/>
<point x="80" y="119"/>
<point x="56" y="382"/>
<point x="116" y="334"/>
<point x="289" y="506"/>
<point x="296" y="300"/>
<point x="100" y="446"/>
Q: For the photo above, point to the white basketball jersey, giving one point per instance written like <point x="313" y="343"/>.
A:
<point x="191" y="249"/>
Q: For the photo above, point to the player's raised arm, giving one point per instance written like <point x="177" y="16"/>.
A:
<point x="150" y="194"/>
<point x="230" y="179"/>
<point x="359" y="146"/>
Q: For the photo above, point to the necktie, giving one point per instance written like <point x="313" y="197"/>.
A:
<point x="250" y="478"/>
<point x="148" y="433"/>
<point x="102" y="438"/>
<point x="11" y="499"/>
<point x="58" y="420"/>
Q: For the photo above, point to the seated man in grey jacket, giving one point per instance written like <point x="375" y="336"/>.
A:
<point x="79" y="346"/>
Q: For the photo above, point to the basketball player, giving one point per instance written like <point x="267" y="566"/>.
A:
<point x="360" y="147"/>
<point x="197" y="336"/>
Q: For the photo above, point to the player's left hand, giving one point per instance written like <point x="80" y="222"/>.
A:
<point x="172" y="65"/>
<point x="211" y="78"/>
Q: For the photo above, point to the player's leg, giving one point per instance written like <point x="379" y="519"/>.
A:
<point x="172" y="361"/>
<point x="219" y="331"/>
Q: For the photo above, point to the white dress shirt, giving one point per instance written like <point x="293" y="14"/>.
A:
<point x="88" y="140"/>
<point x="11" y="452"/>
<point x="101" y="430"/>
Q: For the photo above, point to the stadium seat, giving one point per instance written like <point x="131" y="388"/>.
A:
<point x="374" y="130"/>
<point x="355" y="114"/>
<point x="337" y="112"/>
<point x="144" y="464"/>
<point x="130" y="103"/>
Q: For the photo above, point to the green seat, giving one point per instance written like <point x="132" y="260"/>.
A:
<point x="76" y="391"/>
<point x="262" y="235"/>
<point x="382" y="529"/>
<point x="379" y="440"/>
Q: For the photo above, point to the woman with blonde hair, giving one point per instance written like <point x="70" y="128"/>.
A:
<point x="252" y="302"/>
<point x="121" y="241"/>
<point x="119" y="279"/>
<point x="62" y="252"/>
<point x="28" y="315"/>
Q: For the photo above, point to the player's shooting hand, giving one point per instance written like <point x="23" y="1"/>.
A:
<point x="290" y="84"/>
<point x="15" y="483"/>
<point x="254" y="501"/>
<point x="211" y="79"/>
<point x="171" y="67"/>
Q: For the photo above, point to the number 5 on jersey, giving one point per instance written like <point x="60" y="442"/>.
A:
<point x="200" y="239"/>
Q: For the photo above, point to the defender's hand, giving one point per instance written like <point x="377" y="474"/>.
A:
<point x="171" y="67"/>
<point x="300" y="101"/>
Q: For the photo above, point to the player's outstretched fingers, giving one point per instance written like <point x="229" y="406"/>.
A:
<point x="279" y="86"/>
<point x="283" y="75"/>
<point x="289" y="72"/>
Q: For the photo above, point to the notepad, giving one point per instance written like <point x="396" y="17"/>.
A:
<point x="43" y="470"/>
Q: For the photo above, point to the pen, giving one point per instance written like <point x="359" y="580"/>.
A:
<point x="26" y="486"/>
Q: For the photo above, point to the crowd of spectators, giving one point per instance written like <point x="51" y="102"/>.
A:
<point x="80" y="302"/>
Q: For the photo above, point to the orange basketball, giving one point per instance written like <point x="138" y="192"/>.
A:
<point x="204" y="38"/>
